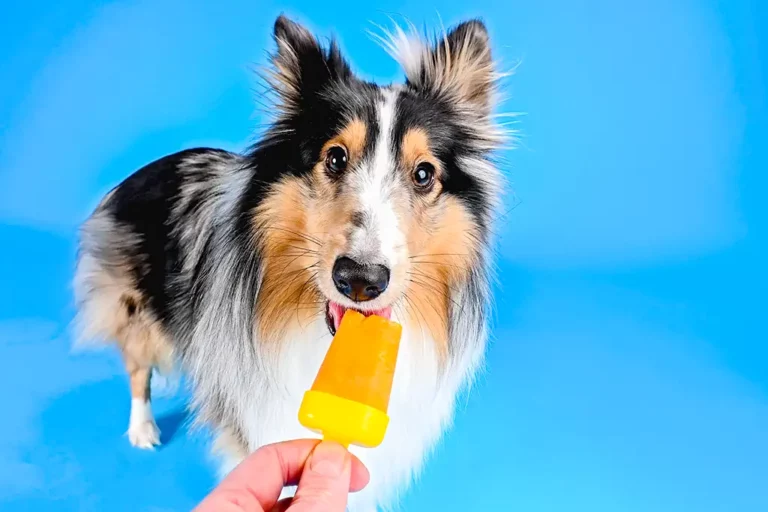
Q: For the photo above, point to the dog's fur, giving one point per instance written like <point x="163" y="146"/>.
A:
<point x="222" y="262"/>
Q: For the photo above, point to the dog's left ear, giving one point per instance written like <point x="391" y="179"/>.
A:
<point x="302" y="67"/>
<point x="458" y="66"/>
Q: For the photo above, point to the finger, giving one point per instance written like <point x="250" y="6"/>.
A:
<point x="359" y="480"/>
<point x="325" y="482"/>
<point x="282" y="505"/>
<point x="360" y="475"/>
<point x="256" y="483"/>
<point x="292" y="455"/>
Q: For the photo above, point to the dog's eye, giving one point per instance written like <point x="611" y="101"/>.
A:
<point x="424" y="176"/>
<point x="336" y="160"/>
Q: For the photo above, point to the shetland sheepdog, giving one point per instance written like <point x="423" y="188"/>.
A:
<point x="237" y="268"/>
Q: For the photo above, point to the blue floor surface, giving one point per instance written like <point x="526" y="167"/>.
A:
<point x="641" y="391"/>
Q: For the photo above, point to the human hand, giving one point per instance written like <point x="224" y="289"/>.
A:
<point x="324" y="471"/>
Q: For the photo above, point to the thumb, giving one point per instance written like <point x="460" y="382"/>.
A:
<point x="324" y="483"/>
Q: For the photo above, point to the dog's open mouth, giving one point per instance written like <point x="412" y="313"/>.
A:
<point x="334" y="312"/>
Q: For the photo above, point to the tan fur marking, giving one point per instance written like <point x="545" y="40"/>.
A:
<point x="115" y="311"/>
<point x="140" y="336"/>
<point x="415" y="145"/>
<point x="443" y="244"/>
<point x="351" y="137"/>
<point x="140" y="377"/>
<point x="287" y="293"/>
<point x="415" y="150"/>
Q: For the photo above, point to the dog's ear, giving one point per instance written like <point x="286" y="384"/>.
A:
<point x="457" y="66"/>
<point x="302" y="67"/>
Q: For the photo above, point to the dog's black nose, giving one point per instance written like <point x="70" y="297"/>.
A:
<point x="359" y="282"/>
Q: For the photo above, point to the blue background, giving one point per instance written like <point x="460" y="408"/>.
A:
<point x="629" y="367"/>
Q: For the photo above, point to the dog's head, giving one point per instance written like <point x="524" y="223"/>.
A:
<point x="375" y="198"/>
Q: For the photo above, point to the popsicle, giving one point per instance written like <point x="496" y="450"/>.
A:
<point x="349" y="398"/>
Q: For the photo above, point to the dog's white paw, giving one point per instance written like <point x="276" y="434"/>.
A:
<point x="142" y="429"/>
<point x="144" y="435"/>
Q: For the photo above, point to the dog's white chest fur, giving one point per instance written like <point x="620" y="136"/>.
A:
<point x="421" y="406"/>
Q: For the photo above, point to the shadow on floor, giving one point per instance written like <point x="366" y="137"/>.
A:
<point x="82" y="459"/>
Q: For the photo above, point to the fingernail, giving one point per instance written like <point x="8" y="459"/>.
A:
<point x="328" y="459"/>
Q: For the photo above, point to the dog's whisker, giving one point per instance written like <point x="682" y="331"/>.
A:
<point x="431" y="288"/>
<point x="293" y="260"/>
<point x="286" y="274"/>
<point x="301" y="293"/>
<point x="303" y="236"/>
<point x="418" y="312"/>
<point x="441" y="316"/>
<point x="286" y="255"/>
<point x="437" y="282"/>
<point x="284" y="247"/>
<point x="438" y="263"/>
<point x="440" y="254"/>
<point x="436" y="286"/>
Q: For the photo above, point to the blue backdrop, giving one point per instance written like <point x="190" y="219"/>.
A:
<point x="629" y="367"/>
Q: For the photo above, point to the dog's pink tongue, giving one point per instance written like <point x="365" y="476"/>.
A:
<point x="337" y="312"/>
<point x="384" y="313"/>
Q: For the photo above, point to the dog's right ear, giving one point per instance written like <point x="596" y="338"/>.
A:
<point x="457" y="66"/>
<point x="302" y="67"/>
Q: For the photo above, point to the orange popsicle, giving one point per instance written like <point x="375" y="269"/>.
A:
<point x="349" y="399"/>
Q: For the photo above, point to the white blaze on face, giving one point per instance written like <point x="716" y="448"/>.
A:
<point x="379" y="240"/>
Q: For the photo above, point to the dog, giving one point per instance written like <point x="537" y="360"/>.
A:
<point x="237" y="268"/>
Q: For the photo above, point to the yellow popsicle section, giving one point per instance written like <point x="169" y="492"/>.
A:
<point x="349" y="399"/>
